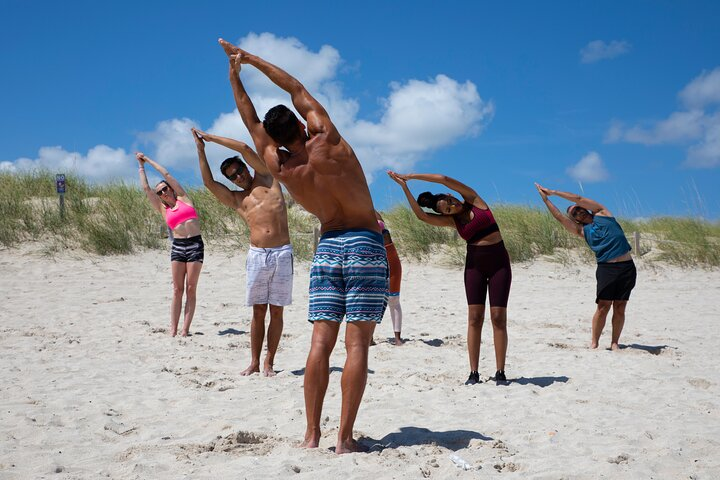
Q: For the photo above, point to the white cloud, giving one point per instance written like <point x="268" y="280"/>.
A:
<point x="598" y="50"/>
<point x="171" y="142"/>
<point x="678" y="127"/>
<point x="697" y="125"/>
<point x="100" y="163"/>
<point x="706" y="154"/>
<point x="703" y="90"/>
<point x="590" y="168"/>
<point x="417" y="116"/>
<point x="312" y="69"/>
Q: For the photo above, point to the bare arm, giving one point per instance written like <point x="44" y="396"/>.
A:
<point x="221" y="192"/>
<point x="429" y="218"/>
<point x="243" y="148"/>
<point x="149" y="192"/>
<point x="584" y="202"/>
<point x="179" y="191"/>
<point x="468" y="194"/>
<point x="310" y="109"/>
<point x="263" y="142"/>
<point x="570" y="226"/>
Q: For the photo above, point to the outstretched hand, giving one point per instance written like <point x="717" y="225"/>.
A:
<point x="199" y="137"/>
<point x="236" y="55"/>
<point x="544" y="192"/>
<point x="141" y="158"/>
<point x="398" y="178"/>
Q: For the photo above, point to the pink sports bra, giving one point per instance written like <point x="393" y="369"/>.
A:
<point x="182" y="213"/>
<point x="482" y="225"/>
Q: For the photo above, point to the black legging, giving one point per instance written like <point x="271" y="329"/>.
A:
<point x="487" y="267"/>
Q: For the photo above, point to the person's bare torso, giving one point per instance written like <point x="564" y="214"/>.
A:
<point x="328" y="181"/>
<point x="263" y="209"/>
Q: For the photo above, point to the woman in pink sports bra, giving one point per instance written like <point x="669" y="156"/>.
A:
<point x="487" y="264"/>
<point x="188" y="251"/>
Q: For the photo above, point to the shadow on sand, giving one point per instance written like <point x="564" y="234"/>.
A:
<point x="232" y="331"/>
<point x="539" y="381"/>
<point x="410" y="436"/>
<point x="435" y="342"/>
<point x="651" y="349"/>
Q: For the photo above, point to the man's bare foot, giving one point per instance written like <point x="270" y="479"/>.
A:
<point x="268" y="370"/>
<point x="397" y="341"/>
<point x="614" y="347"/>
<point x="184" y="333"/>
<point x="173" y="333"/>
<point x="350" y="446"/>
<point x="593" y="345"/>
<point x="253" y="368"/>
<point x="229" y="48"/>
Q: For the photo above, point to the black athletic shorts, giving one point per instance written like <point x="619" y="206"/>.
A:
<point x="487" y="268"/>
<point x="615" y="281"/>
<point x="187" y="250"/>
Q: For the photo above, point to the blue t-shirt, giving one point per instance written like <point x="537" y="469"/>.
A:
<point x="606" y="238"/>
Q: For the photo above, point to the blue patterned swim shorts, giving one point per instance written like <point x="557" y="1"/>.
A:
<point x="349" y="277"/>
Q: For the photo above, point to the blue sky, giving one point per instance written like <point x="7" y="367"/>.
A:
<point x="619" y="100"/>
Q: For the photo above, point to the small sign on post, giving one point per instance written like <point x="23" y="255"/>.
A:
<point x="60" y="187"/>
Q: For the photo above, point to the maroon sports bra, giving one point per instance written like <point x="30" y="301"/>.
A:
<point x="482" y="225"/>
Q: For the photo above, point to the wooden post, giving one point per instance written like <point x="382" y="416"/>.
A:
<point x="636" y="243"/>
<point x="316" y="237"/>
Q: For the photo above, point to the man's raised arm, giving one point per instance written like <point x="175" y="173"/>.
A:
<point x="242" y="101"/>
<point x="310" y="109"/>
<point x="248" y="154"/>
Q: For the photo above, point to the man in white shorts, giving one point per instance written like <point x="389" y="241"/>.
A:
<point x="270" y="259"/>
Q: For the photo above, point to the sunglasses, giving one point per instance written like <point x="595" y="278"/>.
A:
<point x="235" y="175"/>
<point x="163" y="190"/>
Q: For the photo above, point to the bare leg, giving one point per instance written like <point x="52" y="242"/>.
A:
<point x="476" y="316"/>
<point x="257" y="335"/>
<point x="618" y="322"/>
<point x="598" y="321"/>
<point x="396" y="316"/>
<point x="498" y="315"/>
<point x="273" y="339"/>
<point x="178" y="278"/>
<point x="317" y="374"/>
<point x="354" y="379"/>
<point x="193" y="275"/>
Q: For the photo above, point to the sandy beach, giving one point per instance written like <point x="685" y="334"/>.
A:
<point x="93" y="387"/>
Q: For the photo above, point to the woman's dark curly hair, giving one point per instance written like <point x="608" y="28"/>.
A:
<point x="430" y="200"/>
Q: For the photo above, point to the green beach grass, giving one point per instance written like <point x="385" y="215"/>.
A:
<point x="116" y="218"/>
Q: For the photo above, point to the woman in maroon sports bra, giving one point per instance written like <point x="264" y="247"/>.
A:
<point x="487" y="264"/>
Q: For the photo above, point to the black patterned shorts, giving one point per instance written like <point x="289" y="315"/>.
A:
<point x="187" y="250"/>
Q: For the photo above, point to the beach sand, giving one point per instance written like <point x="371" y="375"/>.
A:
<point x="91" y="385"/>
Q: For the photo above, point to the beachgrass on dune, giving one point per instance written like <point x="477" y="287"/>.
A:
<point x="116" y="218"/>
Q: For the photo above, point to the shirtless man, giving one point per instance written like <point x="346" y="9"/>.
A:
<point x="269" y="264"/>
<point x="349" y="273"/>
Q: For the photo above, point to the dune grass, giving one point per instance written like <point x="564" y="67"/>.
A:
<point x="116" y="218"/>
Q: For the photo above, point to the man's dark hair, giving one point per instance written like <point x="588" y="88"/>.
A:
<point x="282" y="125"/>
<point x="229" y="161"/>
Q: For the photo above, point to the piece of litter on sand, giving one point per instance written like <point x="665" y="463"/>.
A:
<point x="460" y="462"/>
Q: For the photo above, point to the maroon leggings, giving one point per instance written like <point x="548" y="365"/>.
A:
<point x="487" y="267"/>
